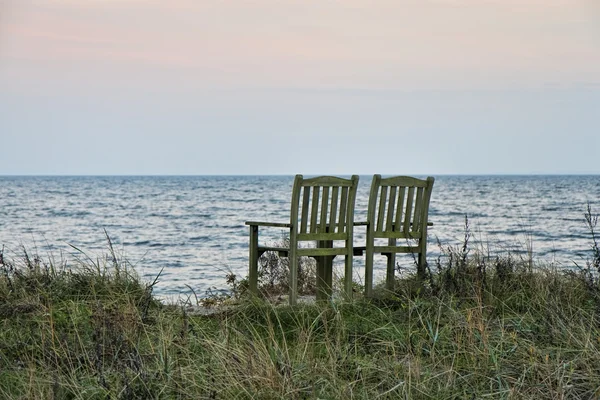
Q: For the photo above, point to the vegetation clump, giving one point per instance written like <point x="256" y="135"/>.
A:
<point x="477" y="327"/>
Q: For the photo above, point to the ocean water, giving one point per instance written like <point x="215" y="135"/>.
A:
<point x="193" y="226"/>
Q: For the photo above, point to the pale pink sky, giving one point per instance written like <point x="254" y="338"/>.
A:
<point x="200" y="66"/>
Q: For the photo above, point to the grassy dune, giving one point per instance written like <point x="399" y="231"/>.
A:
<point x="477" y="328"/>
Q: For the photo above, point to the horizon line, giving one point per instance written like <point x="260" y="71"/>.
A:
<point x="307" y="174"/>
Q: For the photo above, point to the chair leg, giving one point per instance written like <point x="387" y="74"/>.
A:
<point x="324" y="272"/>
<point x="321" y="278"/>
<point x="369" y="267"/>
<point x="390" y="272"/>
<point x="368" y="274"/>
<point x="391" y="266"/>
<point x="348" y="274"/>
<point x="422" y="263"/>
<point x="253" y="259"/>
<point x="324" y="277"/>
<point x="328" y="277"/>
<point x="293" y="261"/>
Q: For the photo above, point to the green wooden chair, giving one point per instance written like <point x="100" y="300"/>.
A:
<point x="322" y="210"/>
<point x="398" y="210"/>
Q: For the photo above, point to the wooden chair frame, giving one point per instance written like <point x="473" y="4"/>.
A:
<point x="322" y="210"/>
<point x="398" y="210"/>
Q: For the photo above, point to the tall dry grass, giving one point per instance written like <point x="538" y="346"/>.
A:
<point x="477" y="327"/>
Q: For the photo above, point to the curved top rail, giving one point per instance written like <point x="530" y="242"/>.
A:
<point x="406" y="181"/>
<point x="327" y="180"/>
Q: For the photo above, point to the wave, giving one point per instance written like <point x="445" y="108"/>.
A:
<point x="195" y="225"/>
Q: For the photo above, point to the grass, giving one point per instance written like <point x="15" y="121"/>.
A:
<point x="478" y="327"/>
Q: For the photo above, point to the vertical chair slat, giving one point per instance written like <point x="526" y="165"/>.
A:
<point x="408" y="213"/>
<point x="399" y="208"/>
<point x="305" y="201"/>
<point x="324" y="207"/>
<point x="381" y="211"/>
<point x="390" y="211"/>
<point x="333" y="211"/>
<point x="315" y="210"/>
<point x="342" y="227"/>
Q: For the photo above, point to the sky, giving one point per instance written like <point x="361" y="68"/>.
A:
<point x="336" y="87"/>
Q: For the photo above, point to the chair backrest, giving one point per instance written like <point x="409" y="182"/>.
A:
<point x="399" y="207"/>
<point x="323" y="207"/>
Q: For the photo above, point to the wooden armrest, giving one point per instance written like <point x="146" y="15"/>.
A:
<point x="274" y="248"/>
<point x="361" y="223"/>
<point x="272" y="224"/>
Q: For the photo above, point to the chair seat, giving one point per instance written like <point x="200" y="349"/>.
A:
<point x="309" y="251"/>
<point x="281" y="251"/>
<point x="361" y="250"/>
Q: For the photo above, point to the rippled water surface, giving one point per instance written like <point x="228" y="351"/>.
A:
<point x="193" y="226"/>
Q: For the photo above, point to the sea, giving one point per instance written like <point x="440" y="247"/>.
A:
<point x="188" y="232"/>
